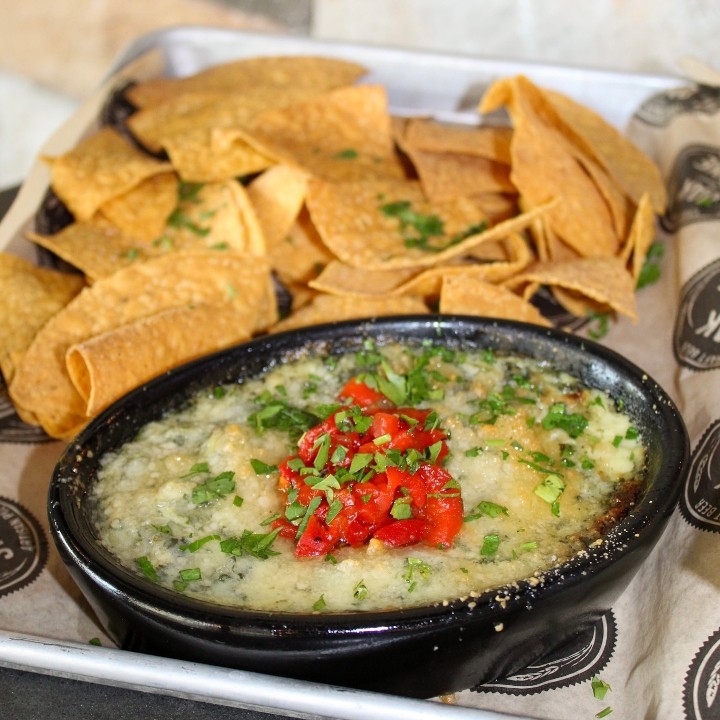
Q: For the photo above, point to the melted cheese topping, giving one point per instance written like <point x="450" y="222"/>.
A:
<point x="502" y="447"/>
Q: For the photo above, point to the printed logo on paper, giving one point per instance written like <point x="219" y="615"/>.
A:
<point x="693" y="187"/>
<point x="578" y="660"/>
<point x="696" y="340"/>
<point x="23" y="547"/>
<point x="701" y="692"/>
<point x="700" y="503"/>
<point x="12" y="428"/>
<point x="660" y="109"/>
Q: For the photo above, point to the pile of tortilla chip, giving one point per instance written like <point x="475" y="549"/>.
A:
<point x="292" y="170"/>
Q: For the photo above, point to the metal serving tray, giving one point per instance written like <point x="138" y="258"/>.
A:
<point x="441" y="85"/>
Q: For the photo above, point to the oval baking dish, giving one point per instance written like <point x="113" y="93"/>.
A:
<point x="418" y="651"/>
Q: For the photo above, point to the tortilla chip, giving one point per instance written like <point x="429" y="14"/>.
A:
<point x="277" y="195"/>
<point x="143" y="211"/>
<point x="343" y="135"/>
<point x="602" y="280"/>
<point x="30" y="297"/>
<point x="448" y="174"/>
<point x="337" y="278"/>
<point x="150" y="346"/>
<point x="101" y="167"/>
<point x="463" y="294"/>
<point x="545" y="166"/>
<point x="42" y="383"/>
<point x="508" y="257"/>
<point x="496" y="206"/>
<point x="629" y="167"/>
<point x="300" y="254"/>
<point x="315" y="74"/>
<point x="217" y="216"/>
<point x="640" y="237"/>
<point x="213" y="156"/>
<point x="362" y="223"/>
<point x="491" y="143"/>
<point x="97" y="248"/>
<point x="334" y="308"/>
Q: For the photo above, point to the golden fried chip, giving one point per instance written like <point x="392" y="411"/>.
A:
<point x="101" y="167"/>
<point x="449" y="174"/>
<point x="496" y="206"/>
<point x="464" y="294"/>
<point x="143" y="211"/>
<point x="629" y="167"/>
<point x="214" y="215"/>
<point x="603" y="280"/>
<point x="213" y="156"/>
<point x="545" y="166"/>
<point x="30" y="297"/>
<point x="343" y="135"/>
<point x="333" y="308"/>
<point x="338" y="278"/>
<point x="640" y="237"/>
<point x="383" y="225"/>
<point x="277" y="195"/>
<point x="97" y="248"/>
<point x="150" y="346"/>
<point x="300" y="254"/>
<point x="505" y="259"/>
<point x="184" y="113"/>
<point x="492" y="143"/>
<point x="309" y="73"/>
<point x="42" y="384"/>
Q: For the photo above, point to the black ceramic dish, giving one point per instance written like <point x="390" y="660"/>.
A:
<point x="418" y="652"/>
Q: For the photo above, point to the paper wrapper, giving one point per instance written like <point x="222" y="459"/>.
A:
<point x="659" y="647"/>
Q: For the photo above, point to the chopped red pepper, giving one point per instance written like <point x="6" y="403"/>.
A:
<point x="374" y="473"/>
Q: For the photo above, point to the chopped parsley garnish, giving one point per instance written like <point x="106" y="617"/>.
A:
<point x="195" y="545"/>
<point x="485" y="508"/>
<point x="215" y="488"/>
<point x="360" y="590"/>
<point x="419" y="229"/>
<point x="257" y="545"/>
<point x="550" y="490"/>
<point x="148" y="569"/>
<point x="275" y="412"/>
<point x="491" y="543"/>
<point x="415" y="567"/>
<point x="190" y="574"/>
<point x="558" y="417"/>
<point x="650" y="271"/>
<point x="600" y="688"/>
<point x="319" y="604"/>
<point x="262" y="468"/>
<point x="599" y="325"/>
<point x="347" y="154"/>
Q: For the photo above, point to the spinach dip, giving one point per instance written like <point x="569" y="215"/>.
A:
<point x="391" y="477"/>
